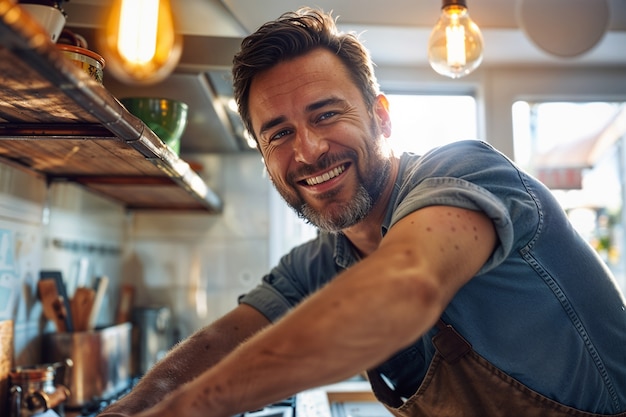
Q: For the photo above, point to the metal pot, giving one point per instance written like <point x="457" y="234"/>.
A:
<point x="153" y="336"/>
<point x="34" y="389"/>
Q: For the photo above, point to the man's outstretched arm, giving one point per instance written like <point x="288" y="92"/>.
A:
<point x="189" y="359"/>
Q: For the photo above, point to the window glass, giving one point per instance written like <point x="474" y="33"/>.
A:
<point x="576" y="149"/>
<point x="422" y="122"/>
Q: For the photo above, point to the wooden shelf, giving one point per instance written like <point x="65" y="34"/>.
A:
<point x="57" y="121"/>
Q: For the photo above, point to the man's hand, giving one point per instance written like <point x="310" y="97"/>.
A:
<point x="189" y="359"/>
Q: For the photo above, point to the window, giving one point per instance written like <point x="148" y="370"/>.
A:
<point x="422" y="122"/>
<point x="576" y="149"/>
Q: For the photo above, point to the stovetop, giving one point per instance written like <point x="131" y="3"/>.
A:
<point x="92" y="409"/>
<point x="284" y="408"/>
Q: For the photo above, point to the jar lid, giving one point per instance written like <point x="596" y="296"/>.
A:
<point x="42" y="373"/>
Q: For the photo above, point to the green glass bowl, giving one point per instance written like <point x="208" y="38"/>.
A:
<point x="165" y="117"/>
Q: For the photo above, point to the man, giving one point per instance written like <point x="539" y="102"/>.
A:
<point x="453" y="278"/>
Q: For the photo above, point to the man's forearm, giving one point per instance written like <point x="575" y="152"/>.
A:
<point x="355" y="322"/>
<point x="189" y="359"/>
<point x="343" y="329"/>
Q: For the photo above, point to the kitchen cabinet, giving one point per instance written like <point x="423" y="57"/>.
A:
<point x="57" y="122"/>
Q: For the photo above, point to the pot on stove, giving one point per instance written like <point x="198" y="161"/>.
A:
<point x="152" y="335"/>
<point x="35" y="390"/>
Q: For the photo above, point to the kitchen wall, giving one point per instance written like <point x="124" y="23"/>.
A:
<point x="197" y="264"/>
<point x="57" y="228"/>
<point x="21" y="206"/>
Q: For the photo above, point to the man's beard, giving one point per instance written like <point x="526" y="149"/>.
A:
<point x="342" y="217"/>
<point x="367" y="193"/>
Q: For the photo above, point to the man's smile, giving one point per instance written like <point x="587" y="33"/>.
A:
<point x="325" y="176"/>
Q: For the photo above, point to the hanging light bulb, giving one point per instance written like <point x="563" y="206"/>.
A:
<point x="455" y="46"/>
<point x="139" y="42"/>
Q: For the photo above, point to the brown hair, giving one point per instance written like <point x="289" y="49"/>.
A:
<point x="294" y="34"/>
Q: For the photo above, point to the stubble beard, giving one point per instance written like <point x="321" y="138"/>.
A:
<point x="336" y="217"/>
<point x="340" y="217"/>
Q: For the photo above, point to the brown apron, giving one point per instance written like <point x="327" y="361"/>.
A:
<point x="459" y="382"/>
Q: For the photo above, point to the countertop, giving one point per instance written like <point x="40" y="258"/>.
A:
<point x="319" y="402"/>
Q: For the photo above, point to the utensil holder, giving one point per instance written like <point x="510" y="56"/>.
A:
<point x="102" y="362"/>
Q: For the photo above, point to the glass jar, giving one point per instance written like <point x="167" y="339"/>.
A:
<point x="34" y="390"/>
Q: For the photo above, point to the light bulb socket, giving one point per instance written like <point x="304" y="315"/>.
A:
<point x="446" y="3"/>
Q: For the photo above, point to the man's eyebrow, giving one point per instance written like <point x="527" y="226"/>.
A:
<point x="271" y="123"/>
<point x="322" y="103"/>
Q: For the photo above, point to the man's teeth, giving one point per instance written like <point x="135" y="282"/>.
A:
<point x="326" y="176"/>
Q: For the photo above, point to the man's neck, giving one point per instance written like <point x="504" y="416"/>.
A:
<point x="366" y="235"/>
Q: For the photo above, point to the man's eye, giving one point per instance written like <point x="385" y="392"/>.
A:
<point x="326" y="115"/>
<point x="280" y="135"/>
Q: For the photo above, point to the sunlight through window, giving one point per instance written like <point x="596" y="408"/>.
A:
<point x="422" y="122"/>
<point x="575" y="148"/>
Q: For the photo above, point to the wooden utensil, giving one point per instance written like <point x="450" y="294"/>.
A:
<point x="124" y="309"/>
<point x="57" y="278"/>
<point x="81" y="305"/>
<point x="50" y="301"/>
<point x="100" y="287"/>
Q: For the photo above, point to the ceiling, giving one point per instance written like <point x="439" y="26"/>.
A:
<point x="395" y="31"/>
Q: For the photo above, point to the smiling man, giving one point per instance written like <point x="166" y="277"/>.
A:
<point x="453" y="278"/>
<point x="322" y="141"/>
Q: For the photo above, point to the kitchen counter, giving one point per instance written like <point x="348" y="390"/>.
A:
<point x="333" y="401"/>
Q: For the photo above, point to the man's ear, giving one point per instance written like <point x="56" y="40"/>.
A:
<point x="381" y="111"/>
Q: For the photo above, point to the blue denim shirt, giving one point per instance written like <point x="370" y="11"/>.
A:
<point x="543" y="308"/>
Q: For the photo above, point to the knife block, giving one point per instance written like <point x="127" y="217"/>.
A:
<point x="102" y="362"/>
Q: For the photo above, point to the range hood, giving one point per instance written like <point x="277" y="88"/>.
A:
<point x="202" y="79"/>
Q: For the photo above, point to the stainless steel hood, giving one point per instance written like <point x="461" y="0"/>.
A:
<point x="212" y="126"/>
<point x="202" y="78"/>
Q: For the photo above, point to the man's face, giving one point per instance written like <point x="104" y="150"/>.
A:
<point x="322" y="147"/>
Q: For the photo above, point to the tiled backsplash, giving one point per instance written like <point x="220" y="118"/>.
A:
<point x="49" y="228"/>
<point x="196" y="264"/>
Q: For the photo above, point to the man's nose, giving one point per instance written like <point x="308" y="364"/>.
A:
<point x="309" y="146"/>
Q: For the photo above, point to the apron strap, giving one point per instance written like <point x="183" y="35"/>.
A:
<point x="450" y="344"/>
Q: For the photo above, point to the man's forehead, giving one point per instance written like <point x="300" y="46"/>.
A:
<point x="308" y="82"/>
